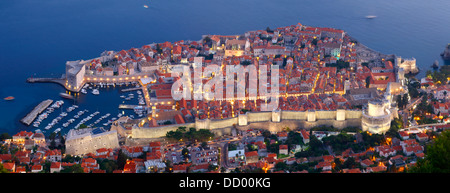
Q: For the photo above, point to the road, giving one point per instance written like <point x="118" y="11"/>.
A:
<point x="222" y="145"/>
<point x="406" y="110"/>
<point x="425" y="125"/>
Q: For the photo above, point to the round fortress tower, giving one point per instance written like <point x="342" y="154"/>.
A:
<point x="376" y="107"/>
<point x="377" y="117"/>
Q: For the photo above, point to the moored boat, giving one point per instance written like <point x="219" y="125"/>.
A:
<point x="95" y="92"/>
<point x="10" y="98"/>
<point x="66" y="96"/>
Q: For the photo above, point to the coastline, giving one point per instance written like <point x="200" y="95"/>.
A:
<point x="77" y="68"/>
<point x="367" y="54"/>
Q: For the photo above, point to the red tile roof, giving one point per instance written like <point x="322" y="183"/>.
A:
<point x="251" y="153"/>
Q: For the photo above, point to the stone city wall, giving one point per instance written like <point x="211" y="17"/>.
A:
<point x="295" y="124"/>
<point x="272" y="121"/>
<point x="155" y="132"/>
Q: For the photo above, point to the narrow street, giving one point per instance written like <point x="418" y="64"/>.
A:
<point x="406" y="110"/>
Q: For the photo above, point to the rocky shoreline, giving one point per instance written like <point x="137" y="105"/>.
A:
<point x="366" y="54"/>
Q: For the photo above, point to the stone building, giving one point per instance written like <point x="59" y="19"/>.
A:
<point x="75" y="71"/>
<point x="408" y="65"/>
<point x="377" y="117"/>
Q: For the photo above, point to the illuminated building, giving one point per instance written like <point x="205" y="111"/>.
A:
<point x="377" y="117"/>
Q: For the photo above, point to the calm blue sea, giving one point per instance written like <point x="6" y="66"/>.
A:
<point x="38" y="37"/>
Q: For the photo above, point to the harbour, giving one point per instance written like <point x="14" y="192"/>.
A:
<point x="86" y="109"/>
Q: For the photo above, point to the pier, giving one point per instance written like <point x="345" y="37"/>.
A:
<point x="131" y="89"/>
<point x="61" y="81"/>
<point x="36" y="111"/>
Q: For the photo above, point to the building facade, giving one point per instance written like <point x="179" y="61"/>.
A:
<point x="83" y="141"/>
<point x="75" y="71"/>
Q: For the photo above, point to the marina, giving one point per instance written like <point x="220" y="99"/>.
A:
<point x="37" y="110"/>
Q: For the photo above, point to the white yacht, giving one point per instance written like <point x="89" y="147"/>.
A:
<point x="95" y="92"/>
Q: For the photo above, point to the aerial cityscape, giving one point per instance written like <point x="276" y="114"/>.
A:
<point x="298" y="98"/>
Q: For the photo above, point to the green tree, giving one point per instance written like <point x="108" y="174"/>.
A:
<point x="76" y="168"/>
<point x="212" y="167"/>
<point x="108" y="165"/>
<point x="396" y="125"/>
<point x="349" y="163"/>
<point x="159" y="49"/>
<point x="252" y="147"/>
<point x="368" y="81"/>
<point x="399" y="101"/>
<point x="405" y="100"/>
<point x="4" y="136"/>
<point x="52" y="144"/>
<point x="207" y="40"/>
<point x="428" y="73"/>
<point x="2" y="169"/>
<point x="121" y="160"/>
<point x="314" y="143"/>
<point x="437" y="156"/>
<point x="185" y="153"/>
<point x="337" y="165"/>
<point x="339" y="142"/>
<point x="192" y="134"/>
<point x="70" y="158"/>
<point x="204" y="144"/>
<point x="281" y="166"/>
<point x="266" y="134"/>
<point x="294" y="138"/>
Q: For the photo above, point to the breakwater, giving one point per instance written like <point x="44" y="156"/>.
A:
<point x="29" y="118"/>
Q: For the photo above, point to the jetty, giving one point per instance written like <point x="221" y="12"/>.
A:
<point x="61" y="81"/>
<point x="36" y="111"/>
<point x="123" y="106"/>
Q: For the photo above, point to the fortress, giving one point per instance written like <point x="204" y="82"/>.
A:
<point x="377" y="117"/>
<point x="408" y="65"/>
<point x="83" y="141"/>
